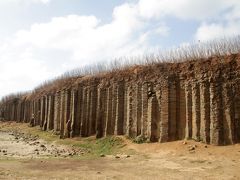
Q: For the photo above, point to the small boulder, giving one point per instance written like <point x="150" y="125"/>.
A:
<point x="42" y="146"/>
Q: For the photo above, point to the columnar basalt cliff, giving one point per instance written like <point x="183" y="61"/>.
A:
<point x="162" y="102"/>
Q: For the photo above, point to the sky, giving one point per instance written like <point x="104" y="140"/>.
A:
<point x="41" y="39"/>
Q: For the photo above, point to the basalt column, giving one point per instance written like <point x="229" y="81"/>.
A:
<point x="84" y="112"/>
<point x="164" y="114"/>
<point x="66" y="117"/>
<point x="228" y="114"/>
<point x="119" y="109"/>
<point x="108" y="122"/>
<point x="144" y="119"/>
<point x="172" y="111"/>
<point x="131" y="127"/>
<point x="138" y="111"/>
<point x="181" y="111"/>
<point x="101" y="114"/>
<point x="87" y="120"/>
<point x="46" y="113"/>
<point x="153" y="115"/>
<point x="237" y="119"/>
<point x="62" y="105"/>
<point x="57" y="112"/>
<point x="114" y="108"/>
<point x="73" y="112"/>
<point x="93" y="110"/>
<point x="188" y="95"/>
<point x="216" y="114"/>
<point x="125" y="109"/>
<point x="196" y="111"/>
<point x="42" y="116"/>
<point x="50" y="120"/>
<point x="205" y="112"/>
<point x="77" y="126"/>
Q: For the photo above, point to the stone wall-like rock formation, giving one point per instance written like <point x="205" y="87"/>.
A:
<point x="162" y="102"/>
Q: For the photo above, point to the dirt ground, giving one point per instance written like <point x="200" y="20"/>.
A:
<point x="25" y="155"/>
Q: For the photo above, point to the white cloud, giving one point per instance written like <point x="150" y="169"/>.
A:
<point x="212" y="31"/>
<point x="184" y="9"/>
<point x="48" y="49"/>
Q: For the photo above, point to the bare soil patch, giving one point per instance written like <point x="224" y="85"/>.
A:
<point x="122" y="160"/>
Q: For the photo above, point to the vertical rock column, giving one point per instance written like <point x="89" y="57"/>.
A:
<point x="216" y="115"/>
<point x="181" y="111"/>
<point x="138" y="111"/>
<point x="172" y="111"/>
<point x="153" y="115"/>
<point x="93" y="110"/>
<point x="114" y="107"/>
<point x="57" y="112"/>
<point x="84" y="112"/>
<point x="101" y="115"/>
<point x="119" y="109"/>
<point x="73" y="104"/>
<point x="237" y="119"/>
<point x="87" y="120"/>
<point x="46" y="114"/>
<point x="62" y="105"/>
<point x="77" y="126"/>
<point x="42" y="116"/>
<point x="188" y="94"/>
<point x="66" y="117"/>
<point x="164" y="125"/>
<point x="205" y="112"/>
<point x="228" y="114"/>
<point x="108" y="122"/>
<point x="125" y="110"/>
<point x="50" y="121"/>
<point x="196" y="111"/>
<point x="131" y="127"/>
<point x="144" y="118"/>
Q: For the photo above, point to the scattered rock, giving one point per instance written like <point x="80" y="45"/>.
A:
<point x="101" y="155"/>
<point x="128" y="156"/>
<point x="42" y="146"/>
<point x="206" y="146"/>
<point x="191" y="147"/>
<point x="117" y="157"/>
<point x="184" y="142"/>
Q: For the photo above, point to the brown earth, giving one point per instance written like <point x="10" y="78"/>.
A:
<point x="172" y="160"/>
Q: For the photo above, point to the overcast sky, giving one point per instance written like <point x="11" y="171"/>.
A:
<point x="40" y="39"/>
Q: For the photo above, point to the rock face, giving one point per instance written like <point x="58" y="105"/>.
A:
<point x="163" y="102"/>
